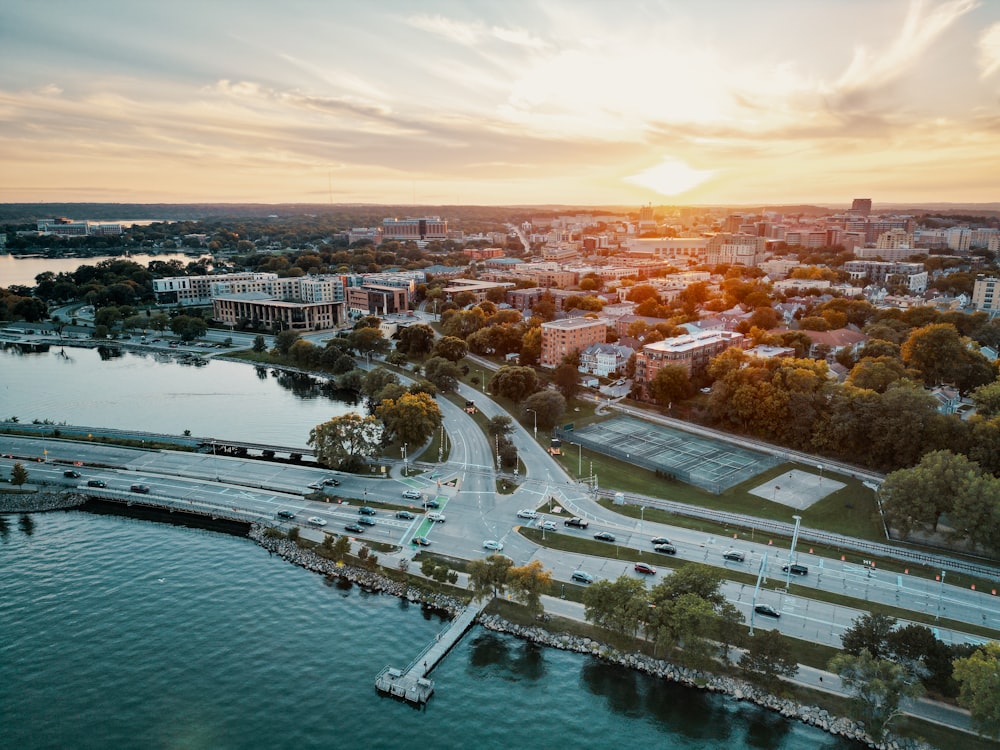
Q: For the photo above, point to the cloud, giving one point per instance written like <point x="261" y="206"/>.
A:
<point x="989" y="51"/>
<point x="472" y="34"/>
<point x="671" y="177"/>
<point x="869" y="71"/>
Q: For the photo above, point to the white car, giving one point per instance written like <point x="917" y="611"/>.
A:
<point x="547" y="526"/>
<point x="493" y="544"/>
<point x="436" y="517"/>
<point x="411" y="494"/>
<point x="527" y="513"/>
<point x="316" y="521"/>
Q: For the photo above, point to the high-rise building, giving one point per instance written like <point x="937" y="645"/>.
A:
<point x="427" y="228"/>
<point x="569" y="336"/>
<point x="861" y="206"/>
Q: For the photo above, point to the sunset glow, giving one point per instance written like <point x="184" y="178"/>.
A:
<point x="482" y="102"/>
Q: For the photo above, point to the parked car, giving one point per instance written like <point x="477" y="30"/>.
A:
<point x="527" y="513"/>
<point x="645" y="569"/>
<point x="421" y="541"/>
<point x="666" y="549"/>
<point x="604" y="536"/>
<point x="411" y="494"/>
<point x="405" y="515"/>
<point x="355" y="528"/>
<point x="367" y="511"/>
<point x="659" y="540"/>
<point x="96" y="483"/>
<point x="582" y="576"/>
<point x="735" y="555"/>
<point x="286" y="513"/>
<point x="142" y="489"/>
<point x="766" y="609"/>
<point x="71" y="474"/>
<point x="492" y="544"/>
<point x="548" y="526"/>
<point x="436" y="517"/>
<point x="580" y="523"/>
<point x="366" y="520"/>
<point x="797" y="570"/>
<point x="316" y="521"/>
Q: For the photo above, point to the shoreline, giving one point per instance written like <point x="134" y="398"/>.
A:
<point x="734" y="688"/>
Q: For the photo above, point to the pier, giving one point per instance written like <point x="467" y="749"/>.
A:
<point x="412" y="683"/>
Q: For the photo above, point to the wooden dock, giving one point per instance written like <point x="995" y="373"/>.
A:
<point x="412" y="683"/>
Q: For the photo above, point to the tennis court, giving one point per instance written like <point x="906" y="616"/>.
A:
<point x="710" y="464"/>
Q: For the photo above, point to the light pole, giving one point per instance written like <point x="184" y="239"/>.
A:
<point x="536" y="423"/>
<point x="791" y="552"/>
<point x="579" y="467"/>
<point x="404" y="459"/>
<point x="482" y="382"/>
<point x="820" y="467"/>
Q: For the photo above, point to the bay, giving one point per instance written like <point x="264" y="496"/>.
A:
<point x="132" y="634"/>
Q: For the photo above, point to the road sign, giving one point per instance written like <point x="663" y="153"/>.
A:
<point x="568" y="427"/>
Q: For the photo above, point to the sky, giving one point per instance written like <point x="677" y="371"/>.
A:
<point x="429" y="102"/>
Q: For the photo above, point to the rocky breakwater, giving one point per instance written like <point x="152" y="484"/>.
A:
<point x="367" y="579"/>
<point x="734" y="688"/>
<point x="37" y="502"/>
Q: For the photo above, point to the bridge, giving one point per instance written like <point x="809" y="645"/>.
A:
<point x="412" y="684"/>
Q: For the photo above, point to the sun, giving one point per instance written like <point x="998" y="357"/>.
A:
<point x="670" y="177"/>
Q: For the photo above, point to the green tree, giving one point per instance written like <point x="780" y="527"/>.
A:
<point x="410" y="419"/>
<point x="941" y="355"/>
<point x="368" y="341"/>
<point x="878" y="373"/>
<point x="514" y="382"/>
<point x="979" y="678"/>
<point x="283" y="341"/>
<point x="531" y="346"/>
<point x="443" y="373"/>
<point x="489" y="576"/>
<point x="566" y="378"/>
<point x="500" y="425"/>
<point x="376" y="380"/>
<point x="549" y="408"/>
<point x="451" y="347"/>
<point x="188" y="327"/>
<point x="766" y="657"/>
<point x="877" y="686"/>
<point x="416" y="340"/>
<point x="869" y="632"/>
<point x="921" y="495"/>
<point x="18" y="475"/>
<point x="621" y="605"/>
<point x="344" y="441"/>
<point x="528" y="583"/>
<point x="987" y="399"/>
<point x="259" y="344"/>
<point x="670" y="385"/>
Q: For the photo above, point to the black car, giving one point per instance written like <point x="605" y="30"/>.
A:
<point x="366" y="521"/>
<point x="797" y="570"/>
<point x="766" y="609"/>
<point x="142" y="489"/>
<point x="405" y="515"/>
<point x="577" y="522"/>
<point x="366" y="511"/>
<point x="432" y="503"/>
<point x="734" y="555"/>
<point x="286" y="514"/>
<point x="421" y="541"/>
<point x="332" y="481"/>
<point x="666" y="549"/>
<point x="582" y="576"/>
<point x="659" y="540"/>
<point x="71" y="474"/>
<point x="604" y="536"/>
<point x="96" y="483"/>
<point x="354" y="528"/>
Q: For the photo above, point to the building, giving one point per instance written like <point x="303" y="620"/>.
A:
<point x="264" y="311"/>
<point x="604" y="360"/>
<point x="478" y="289"/>
<point x="376" y="299"/>
<point x="422" y="229"/>
<point x="736" y="250"/>
<point x="911" y="275"/>
<point x="569" y="336"/>
<point x="861" y="206"/>
<point x="692" y="352"/>
<point x="986" y="295"/>
<point x="197" y="290"/>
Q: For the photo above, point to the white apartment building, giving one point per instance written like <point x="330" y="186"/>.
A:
<point x="986" y="294"/>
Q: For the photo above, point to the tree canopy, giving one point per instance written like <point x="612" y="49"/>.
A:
<point x="344" y="441"/>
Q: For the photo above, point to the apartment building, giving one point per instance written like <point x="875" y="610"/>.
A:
<point x="417" y="229"/>
<point x="569" y="336"/>
<point x="692" y="352"/>
<point x="911" y="275"/>
<point x="986" y="294"/>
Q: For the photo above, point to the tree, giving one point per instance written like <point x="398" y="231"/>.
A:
<point x="500" y="425"/>
<point x="549" y="407"/>
<point x="514" y="382"/>
<point x="283" y="341"/>
<point x="410" y="419"/>
<point x="915" y="647"/>
<point x="877" y="687"/>
<point x="670" y="384"/>
<point x="975" y="512"/>
<point x="259" y="345"/>
<point x="987" y="398"/>
<point x="443" y="373"/>
<point x="416" y="340"/>
<point x="979" y="678"/>
<point x="566" y="378"/>
<point x="766" y="657"/>
<point x="869" y="632"/>
<point x="940" y="354"/>
<point x="531" y="346"/>
<point x="922" y="494"/>
<point x="368" y="341"/>
<point x="878" y="373"/>
<point x="619" y="605"/>
<point x="344" y="441"/>
<point x="18" y="475"/>
<point x="376" y="380"/>
<point x="489" y="577"/>
<point x="451" y="347"/>
<point x="528" y="583"/>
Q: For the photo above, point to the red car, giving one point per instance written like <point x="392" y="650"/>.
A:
<point x="645" y="569"/>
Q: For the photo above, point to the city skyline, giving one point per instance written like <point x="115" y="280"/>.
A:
<point x="718" y="102"/>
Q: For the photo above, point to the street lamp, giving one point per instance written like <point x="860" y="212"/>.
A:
<point x="791" y="552"/>
<point x="482" y="382"/>
<point x="536" y="422"/>
<point x="820" y="467"/>
<point x="403" y="450"/>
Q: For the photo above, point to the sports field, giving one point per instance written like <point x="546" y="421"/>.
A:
<point x="710" y="464"/>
